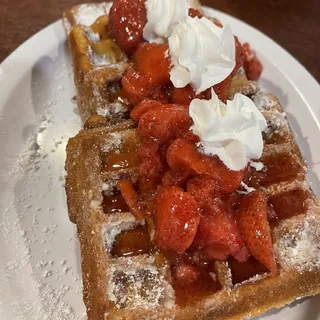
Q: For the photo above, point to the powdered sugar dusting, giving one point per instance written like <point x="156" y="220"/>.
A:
<point x="300" y="248"/>
<point x="87" y="14"/>
<point x="255" y="278"/>
<point x="113" y="110"/>
<point x="118" y="223"/>
<point x="33" y="284"/>
<point x="263" y="100"/>
<point x="139" y="284"/>
<point x="114" y="141"/>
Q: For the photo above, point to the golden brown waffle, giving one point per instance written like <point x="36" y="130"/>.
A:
<point x="117" y="286"/>
<point x="98" y="62"/>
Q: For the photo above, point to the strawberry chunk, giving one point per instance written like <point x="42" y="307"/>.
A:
<point x="186" y="273"/>
<point x="183" y="155"/>
<point x="131" y="197"/>
<point x="174" y="178"/>
<point x="161" y="94"/>
<point x="154" y="61"/>
<point x="191" y="137"/>
<point x="143" y="107"/>
<point x="177" y="219"/>
<point x="135" y="86"/>
<point x="252" y="65"/>
<point x="127" y="20"/>
<point x="183" y="95"/>
<point x="165" y="123"/>
<point x="253" y="222"/>
<point x="151" y="163"/>
<point x="187" y="94"/>
<point x="229" y="180"/>
<point x="221" y="89"/>
<point x="203" y="188"/>
<point x="218" y="235"/>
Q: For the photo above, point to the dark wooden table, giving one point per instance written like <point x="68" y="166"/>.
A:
<point x="294" y="24"/>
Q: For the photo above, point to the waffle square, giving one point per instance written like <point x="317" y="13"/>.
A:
<point x="98" y="62"/>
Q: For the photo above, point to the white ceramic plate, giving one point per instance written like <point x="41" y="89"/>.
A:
<point x="39" y="254"/>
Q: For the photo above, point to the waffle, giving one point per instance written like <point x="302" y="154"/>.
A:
<point x="124" y="277"/>
<point x="98" y="62"/>
<point x="118" y="285"/>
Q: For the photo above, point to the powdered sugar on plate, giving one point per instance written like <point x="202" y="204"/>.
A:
<point x="34" y="226"/>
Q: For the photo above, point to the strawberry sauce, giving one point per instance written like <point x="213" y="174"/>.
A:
<point x="188" y="199"/>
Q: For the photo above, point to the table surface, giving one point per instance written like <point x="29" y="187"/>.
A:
<point x="294" y="24"/>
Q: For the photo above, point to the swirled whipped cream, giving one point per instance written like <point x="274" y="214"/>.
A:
<point x="202" y="54"/>
<point x="163" y="16"/>
<point x="232" y="131"/>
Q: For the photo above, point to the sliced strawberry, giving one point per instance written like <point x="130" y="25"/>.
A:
<point x="229" y="180"/>
<point x="183" y="155"/>
<point x="177" y="220"/>
<point x="164" y="123"/>
<point x="183" y="95"/>
<point x="221" y="89"/>
<point x="252" y="65"/>
<point x="218" y="235"/>
<point x="131" y="197"/>
<point x="143" y="107"/>
<point x="231" y="200"/>
<point x="148" y="187"/>
<point x="187" y="94"/>
<point x="154" y="60"/>
<point x="135" y="86"/>
<point x="127" y="20"/>
<point x="203" y="188"/>
<point x="151" y="162"/>
<point x="253" y="222"/>
<point x="174" y="178"/>
<point x="161" y="94"/>
<point x="191" y="137"/>
<point x="186" y="273"/>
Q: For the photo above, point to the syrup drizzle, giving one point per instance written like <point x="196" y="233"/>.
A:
<point x="131" y="243"/>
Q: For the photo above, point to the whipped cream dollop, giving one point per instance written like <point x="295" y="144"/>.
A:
<point x="202" y="54"/>
<point x="232" y="131"/>
<point x="162" y="17"/>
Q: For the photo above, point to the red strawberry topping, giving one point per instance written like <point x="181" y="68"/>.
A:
<point x="252" y="217"/>
<point x="153" y="60"/>
<point x="127" y="19"/>
<point x="218" y="235"/>
<point x="252" y="65"/>
<point x="165" y="123"/>
<point x="177" y="219"/>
